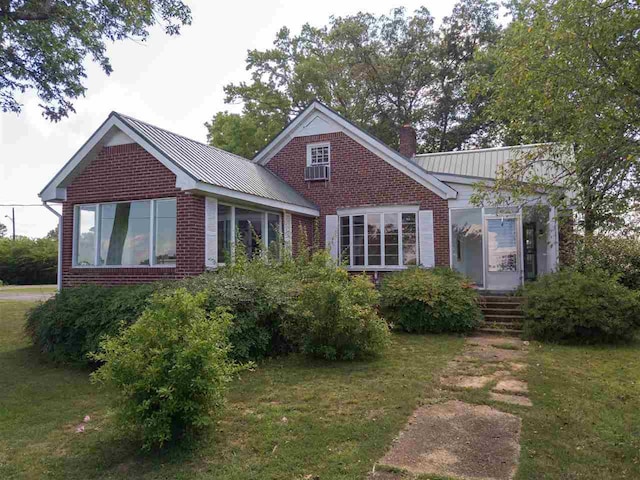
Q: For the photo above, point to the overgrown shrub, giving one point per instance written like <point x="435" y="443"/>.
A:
<point x="27" y="261"/>
<point x="169" y="369"/>
<point x="574" y="306"/>
<point x="258" y="294"/>
<point x="617" y="256"/>
<point x="71" y="324"/>
<point x="436" y="301"/>
<point x="335" y="314"/>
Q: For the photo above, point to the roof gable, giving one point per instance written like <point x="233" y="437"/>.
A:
<point x="318" y="118"/>
<point x="197" y="166"/>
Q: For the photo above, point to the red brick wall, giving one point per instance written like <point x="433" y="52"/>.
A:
<point x="128" y="172"/>
<point x="359" y="178"/>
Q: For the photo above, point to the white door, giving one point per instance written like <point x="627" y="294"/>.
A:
<point x="503" y="254"/>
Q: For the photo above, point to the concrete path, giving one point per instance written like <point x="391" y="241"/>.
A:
<point x="25" y="297"/>
<point x="461" y="440"/>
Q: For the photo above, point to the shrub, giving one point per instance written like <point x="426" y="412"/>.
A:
<point x="617" y="256"/>
<point x="71" y="324"/>
<point x="335" y="314"/>
<point x="169" y="369"/>
<point x="26" y="261"/>
<point x="573" y="306"/>
<point x="436" y="301"/>
<point x="258" y="295"/>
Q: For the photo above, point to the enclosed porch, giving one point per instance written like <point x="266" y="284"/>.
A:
<point x="501" y="248"/>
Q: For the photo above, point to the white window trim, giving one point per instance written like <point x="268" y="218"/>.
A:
<point x="265" y="224"/>
<point x="316" y="145"/>
<point x="98" y="218"/>
<point x="380" y="211"/>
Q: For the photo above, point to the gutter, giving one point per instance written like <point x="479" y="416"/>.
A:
<point x="59" y="215"/>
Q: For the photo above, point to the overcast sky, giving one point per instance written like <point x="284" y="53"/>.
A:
<point x="173" y="82"/>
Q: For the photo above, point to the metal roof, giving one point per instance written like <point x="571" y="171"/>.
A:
<point x="480" y="163"/>
<point x="215" y="166"/>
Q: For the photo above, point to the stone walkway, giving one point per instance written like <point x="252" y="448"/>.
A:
<point x="452" y="438"/>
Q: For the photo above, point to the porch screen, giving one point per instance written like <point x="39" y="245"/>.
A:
<point x="466" y="243"/>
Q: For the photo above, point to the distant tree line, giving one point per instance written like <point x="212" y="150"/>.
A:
<point x="28" y="261"/>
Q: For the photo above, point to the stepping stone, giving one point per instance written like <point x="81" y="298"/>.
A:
<point x="517" y="367"/>
<point x="465" y="381"/>
<point x="459" y="440"/>
<point x="511" y="385"/>
<point x="512" y="399"/>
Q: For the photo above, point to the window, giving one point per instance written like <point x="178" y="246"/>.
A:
<point x="387" y="239"/>
<point x="86" y="235"/>
<point x="165" y="233"/>
<point x="249" y="228"/>
<point x="126" y="233"/>
<point x="318" y="154"/>
<point x="253" y="228"/>
<point x="224" y="232"/>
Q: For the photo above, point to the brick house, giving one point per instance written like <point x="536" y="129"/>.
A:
<point x="141" y="204"/>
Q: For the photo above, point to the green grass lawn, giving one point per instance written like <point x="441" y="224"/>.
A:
<point x="292" y="418"/>
<point x="585" y="422"/>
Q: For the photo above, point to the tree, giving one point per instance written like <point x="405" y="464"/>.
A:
<point x="568" y="71"/>
<point x="3" y="230"/>
<point x="43" y="44"/>
<point x="52" y="234"/>
<point x="379" y="72"/>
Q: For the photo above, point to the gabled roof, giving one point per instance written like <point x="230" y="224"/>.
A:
<point x="197" y="166"/>
<point x="483" y="163"/>
<point x="339" y="123"/>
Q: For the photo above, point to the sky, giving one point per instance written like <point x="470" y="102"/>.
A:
<point x="173" y="82"/>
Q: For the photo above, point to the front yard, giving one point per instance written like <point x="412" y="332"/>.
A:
<point x="294" y="418"/>
<point x="290" y="418"/>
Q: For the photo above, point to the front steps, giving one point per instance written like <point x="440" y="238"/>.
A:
<point x="502" y="315"/>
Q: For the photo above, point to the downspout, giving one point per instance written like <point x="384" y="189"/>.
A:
<point x="59" y="215"/>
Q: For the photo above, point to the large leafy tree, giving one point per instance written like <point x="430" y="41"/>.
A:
<point x="568" y="71"/>
<point x="43" y="43"/>
<point x="380" y="72"/>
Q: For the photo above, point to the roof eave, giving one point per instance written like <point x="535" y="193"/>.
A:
<point x="207" y="188"/>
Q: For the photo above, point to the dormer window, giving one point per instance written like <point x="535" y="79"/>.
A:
<point x="318" y="161"/>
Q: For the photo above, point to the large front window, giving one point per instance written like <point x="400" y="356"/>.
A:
<point x="138" y="233"/>
<point x="385" y="239"/>
<point x="255" y="229"/>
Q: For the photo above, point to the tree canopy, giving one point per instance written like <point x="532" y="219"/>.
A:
<point x="568" y="71"/>
<point x="43" y="44"/>
<point x="380" y="72"/>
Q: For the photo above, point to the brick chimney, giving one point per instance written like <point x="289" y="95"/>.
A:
<point x="407" y="141"/>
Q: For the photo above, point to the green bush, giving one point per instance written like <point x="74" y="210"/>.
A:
<point x="258" y="294"/>
<point x="617" y="256"/>
<point x="436" y="301"/>
<point x="26" y="261"/>
<point x="335" y="314"/>
<point x="574" y="306"/>
<point x="71" y="324"/>
<point x="170" y="369"/>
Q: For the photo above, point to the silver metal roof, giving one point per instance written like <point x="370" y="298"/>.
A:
<point x="215" y="166"/>
<point x="480" y="163"/>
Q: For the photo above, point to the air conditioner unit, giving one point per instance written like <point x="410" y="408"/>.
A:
<point x="317" y="172"/>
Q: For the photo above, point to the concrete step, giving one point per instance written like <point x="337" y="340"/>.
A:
<point x="500" y="331"/>
<point x="504" y="305"/>
<point x="502" y="311"/>
<point x="501" y="299"/>
<point x="503" y="318"/>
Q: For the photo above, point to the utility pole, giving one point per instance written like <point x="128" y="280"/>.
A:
<point x="13" y="222"/>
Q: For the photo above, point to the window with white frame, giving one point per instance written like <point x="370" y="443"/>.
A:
<point x="254" y="228"/>
<point x="380" y="239"/>
<point x="318" y="154"/>
<point x="137" y="233"/>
